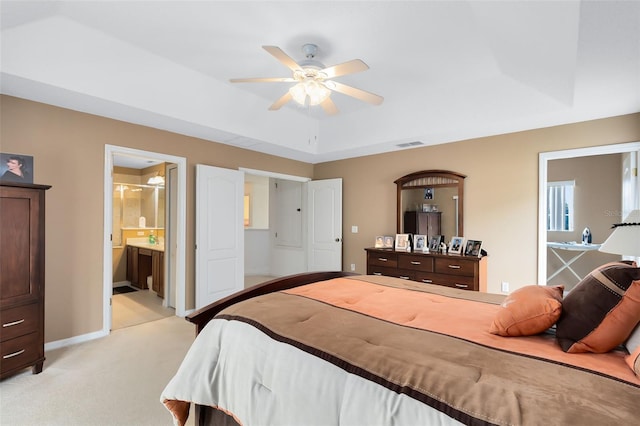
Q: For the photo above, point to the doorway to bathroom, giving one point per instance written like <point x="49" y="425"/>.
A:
<point x="144" y="200"/>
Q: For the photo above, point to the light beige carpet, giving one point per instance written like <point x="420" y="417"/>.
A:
<point x="113" y="381"/>
<point x="138" y="307"/>
<point x="251" y="280"/>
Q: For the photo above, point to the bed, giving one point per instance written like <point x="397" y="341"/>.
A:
<point x="336" y="348"/>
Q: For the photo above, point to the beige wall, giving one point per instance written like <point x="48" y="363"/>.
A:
<point x="501" y="190"/>
<point x="501" y="193"/>
<point x="68" y="150"/>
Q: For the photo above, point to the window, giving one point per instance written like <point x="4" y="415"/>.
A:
<point x="560" y="205"/>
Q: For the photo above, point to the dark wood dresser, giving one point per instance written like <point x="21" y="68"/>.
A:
<point x="464" y="272"/>
<point x="22" y="211"/>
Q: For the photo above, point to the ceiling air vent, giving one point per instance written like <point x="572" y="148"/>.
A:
<point x="408" y="144"/>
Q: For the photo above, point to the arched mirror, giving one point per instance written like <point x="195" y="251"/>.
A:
<point x="431" y="203"/>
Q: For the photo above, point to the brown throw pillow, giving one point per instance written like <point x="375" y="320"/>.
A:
<point x="529" y="310"/>
<point x="602" y="310"/>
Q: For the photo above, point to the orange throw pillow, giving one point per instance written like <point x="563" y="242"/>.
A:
<point x="633" y="346"/>
<point x="527" y="311"/>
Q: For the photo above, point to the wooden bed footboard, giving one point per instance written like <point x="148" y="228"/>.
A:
<point x="202" y="316"/>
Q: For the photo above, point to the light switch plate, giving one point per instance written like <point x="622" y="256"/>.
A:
<point x="354" y="229"/>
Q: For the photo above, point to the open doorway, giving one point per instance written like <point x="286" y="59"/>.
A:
<point x="626" y="156"/>
<point x="170" y="260"/>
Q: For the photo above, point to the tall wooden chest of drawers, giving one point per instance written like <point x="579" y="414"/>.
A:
<point x="21" y="277"/>
<point x="464" y="272"/>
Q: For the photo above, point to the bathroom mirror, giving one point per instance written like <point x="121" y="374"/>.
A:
<point x="433" y="191"/>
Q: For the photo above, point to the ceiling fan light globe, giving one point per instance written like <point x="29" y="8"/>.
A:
<point x="316" y="92"/>
<point x="309" y="92"/>
<point x="298" y="93"/>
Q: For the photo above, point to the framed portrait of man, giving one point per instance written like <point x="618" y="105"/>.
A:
<point x="16" y="168"/>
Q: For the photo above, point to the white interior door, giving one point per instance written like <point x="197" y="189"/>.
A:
<point x="219" y="233"/>
<point x="324" y="208"/>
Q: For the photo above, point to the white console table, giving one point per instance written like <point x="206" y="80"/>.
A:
<point x="570" y="246"/>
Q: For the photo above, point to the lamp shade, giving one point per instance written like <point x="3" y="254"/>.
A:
<point x="625" y="238"/>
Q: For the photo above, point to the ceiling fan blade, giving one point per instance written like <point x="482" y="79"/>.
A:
<point x="356" y="93"/>
<point x="282" y="57"/>
<point x="345" y="68"/>
<point x="262" y="80"/>
<point x="329" y="107"/>
<point x="280" y="102"/>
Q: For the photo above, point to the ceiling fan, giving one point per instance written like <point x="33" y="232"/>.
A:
<point x="313" y="80"/>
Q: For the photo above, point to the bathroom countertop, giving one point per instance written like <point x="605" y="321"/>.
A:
<point x="144" y="243"/>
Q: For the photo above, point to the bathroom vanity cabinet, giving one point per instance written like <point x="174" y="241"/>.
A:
<point x="145" y="261"/>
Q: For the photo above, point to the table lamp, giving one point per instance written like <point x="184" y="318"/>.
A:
<point x="625" y="238"/>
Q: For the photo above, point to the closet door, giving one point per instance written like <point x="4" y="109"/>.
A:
<point x="219" y="233"/>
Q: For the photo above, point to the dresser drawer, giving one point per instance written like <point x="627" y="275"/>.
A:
<point x="455" y="266"/>
<point x="405" y="274"/>
<point x="381" y="270"/>
<point x="456" y="281"/>
<point x="415" y="262"/>
<point x="389" y="260"/>
<point x="19" y="352"/>
<point x="19" y="321"/>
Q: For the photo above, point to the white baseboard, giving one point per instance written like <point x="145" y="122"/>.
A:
<point x="74" y="340"/>
<point x="121" y="283"/>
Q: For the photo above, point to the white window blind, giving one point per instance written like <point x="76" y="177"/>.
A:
<point x="560" y="205"/>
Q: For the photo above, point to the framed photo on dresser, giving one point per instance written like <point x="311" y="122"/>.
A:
<point x="420" y="243"/>
<point x="456" y="245"/>
<point x="402" y="242"/>
<point x="434" y="242"/>
<point x="472" y="248"/>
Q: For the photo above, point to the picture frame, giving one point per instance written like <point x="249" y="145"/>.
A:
<point x="389" y="241"/>
<point x="420" y="243"/>
<point x="457" y="243"/>
<point x="434" y="242"/>
<point x="473" y="248"/>
<point x="12" y="163"/>
<point x="402" y="242"/>
<point x="428" y="193"/>
<point x="379" y="243"/>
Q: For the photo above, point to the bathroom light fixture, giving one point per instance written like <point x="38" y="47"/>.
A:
<point x="156" y="180"/>
<point x="625" y="238"/>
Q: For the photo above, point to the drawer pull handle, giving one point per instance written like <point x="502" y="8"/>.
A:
<point x="11" y="324"/>
<point x="403" y="277"/>
<point x="455" y="266"/>
<point x="377" y="273"/>
<point x="13" y="354"/>
<point x="413" y="262"/>
<point x="462" y="285"/>
<point x="427" y="281"/>
<point x="382" y="259"/>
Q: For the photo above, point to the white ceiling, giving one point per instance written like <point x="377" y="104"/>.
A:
<point x="448" y="70"/>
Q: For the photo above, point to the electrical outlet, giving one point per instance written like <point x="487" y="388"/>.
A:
<point x="505" y="287"/>
<point x="353" y="267"/>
